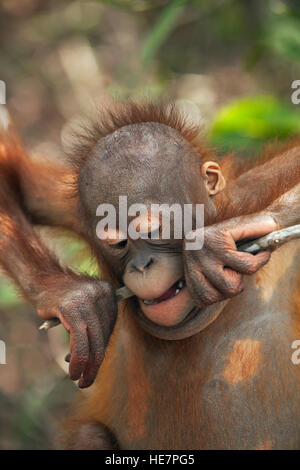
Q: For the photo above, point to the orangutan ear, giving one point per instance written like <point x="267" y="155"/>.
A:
<point x="213" y="178"/>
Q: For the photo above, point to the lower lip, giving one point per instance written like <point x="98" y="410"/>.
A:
<point x="169" y="312"/>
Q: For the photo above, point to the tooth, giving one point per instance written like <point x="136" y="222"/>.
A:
<point x="177" y="291"/>
<point x="180" y="285"/>
<point x="149" y="302"/>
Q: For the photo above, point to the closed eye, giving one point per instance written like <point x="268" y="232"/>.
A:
<point x="119" y="245"/>
<point x="155" y="235"/>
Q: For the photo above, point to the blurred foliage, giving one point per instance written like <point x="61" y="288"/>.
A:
<point x="162" y="28"/>
<point x="8" y="294"/>
<point x="74" y="254"/>
<point x="250" y="122"/>
<point x="283" y="37"/>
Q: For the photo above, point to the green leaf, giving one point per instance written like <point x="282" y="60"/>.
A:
<point x="252" y="121"/>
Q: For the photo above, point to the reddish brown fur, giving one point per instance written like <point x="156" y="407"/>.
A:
<point x="101" y="406"/>
<point x="243" y="361"/>
<point x="19" y="207"/>
<point x="32" y="191"/>
<point x="277" y="167"/>
<point x="281" y="177"/>
<point x="119" y="115"/>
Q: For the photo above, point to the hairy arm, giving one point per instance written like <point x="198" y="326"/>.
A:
<point x="44" y="186"/>
<point x="31" y="192"/>
<point x="261" y="201"/>
<point x="286" y="208"/>
<point x="257" y="188"/>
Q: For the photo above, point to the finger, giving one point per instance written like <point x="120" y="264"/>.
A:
<point x="90" y="372"/>
<point x="106" y="310"/>
<point x="245" y="263"/>
<point x="100" y="327"/>
<point x="225" y="280"/>
<point x="96" y="352"/>
<point x="254" y="229"/>
<point x="201" y="290"/>
<point x="79" y="351"/>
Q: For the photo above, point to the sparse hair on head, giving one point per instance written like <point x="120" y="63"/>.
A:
<point x="119" y="114"/>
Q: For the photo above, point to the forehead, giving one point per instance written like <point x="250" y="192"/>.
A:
<point x="145" y="162"/>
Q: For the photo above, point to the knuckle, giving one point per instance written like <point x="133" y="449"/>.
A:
<point x="79" y="359"/>
<point x="194" y="293"/>
<point x="233" y="283"/>
<point x="252" y="268"/>
<point x="90" y="289"/>
<point x="209" y="298"/>
<point x="231" y="291"/>
<point x="234" y="289"/>
<point x="195" y="277"/>
<point x="206" y="295"/>
<point x="218" y="242"/>
<point x="78" y="324"/>
<point x="209" y="237"/>
<point x="107" y="290"/>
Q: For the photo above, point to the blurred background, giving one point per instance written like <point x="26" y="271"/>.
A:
<point x="230" y="63"/>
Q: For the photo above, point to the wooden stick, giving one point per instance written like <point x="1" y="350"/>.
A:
<point x="268" y="242"/>
<point x="272" y="240"/>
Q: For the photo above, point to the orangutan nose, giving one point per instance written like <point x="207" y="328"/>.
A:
<point x="142" y="264"/>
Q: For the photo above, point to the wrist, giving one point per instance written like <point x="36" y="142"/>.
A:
<point x="47" y="288"/>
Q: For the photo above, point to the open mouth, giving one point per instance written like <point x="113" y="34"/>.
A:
<point x="170" y="308"/>
<point x="174" y="290"/>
